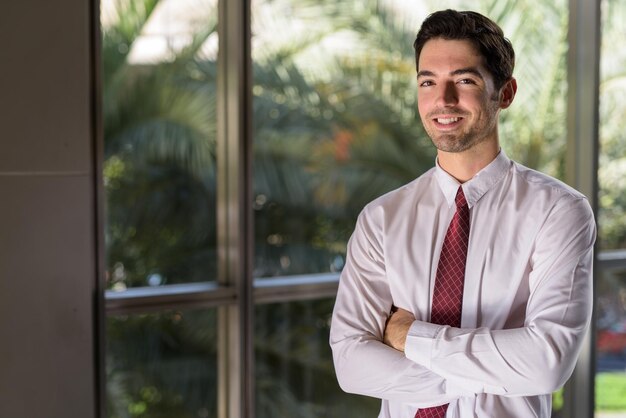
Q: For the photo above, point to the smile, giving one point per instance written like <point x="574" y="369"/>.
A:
<point x="447" y="121"/>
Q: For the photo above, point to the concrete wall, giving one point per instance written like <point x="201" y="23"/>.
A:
<point x="47" y="215"/>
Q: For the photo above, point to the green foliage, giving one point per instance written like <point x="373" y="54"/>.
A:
<point x="294" y="373"/>
<point x="162" y="366"/>
<point x="159" y="171"/>
<point x="557" y="400"/>
<point x="612" y="167"/>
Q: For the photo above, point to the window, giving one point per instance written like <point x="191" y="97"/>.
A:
<point x="162" y="365"/>
<point x="159" y="110"/>
<point x="295" y="376"/>
<point x="206" y="310"/>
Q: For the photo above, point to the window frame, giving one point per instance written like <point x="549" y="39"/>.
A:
<point x="581" y="162"/>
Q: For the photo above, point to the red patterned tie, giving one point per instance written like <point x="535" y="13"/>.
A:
<point x="448" y="292"/>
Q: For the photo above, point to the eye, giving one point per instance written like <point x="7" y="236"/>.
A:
<point x="466" y="81"/>
<point x="426" y="83"/>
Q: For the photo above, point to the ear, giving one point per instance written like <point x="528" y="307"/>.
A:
<point x="507" y="93"/>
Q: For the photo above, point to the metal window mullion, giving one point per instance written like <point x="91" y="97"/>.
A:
<point x="583" y="69"/>
<point x="97" y="143"/>
<point x="181" y="296"/>
<point x="292" y="288"/>
<point x="235" y="351"/>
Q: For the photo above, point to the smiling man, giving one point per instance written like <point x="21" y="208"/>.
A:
<point x="467" y="292"/>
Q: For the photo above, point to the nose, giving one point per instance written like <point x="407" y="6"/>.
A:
<point x="447" y="95"/>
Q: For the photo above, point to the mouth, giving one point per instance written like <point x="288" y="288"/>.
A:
<point x="447" y="121"/>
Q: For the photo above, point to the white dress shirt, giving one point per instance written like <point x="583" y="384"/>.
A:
<point x="526" y="303"/>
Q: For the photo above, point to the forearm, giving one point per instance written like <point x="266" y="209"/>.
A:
<point x="364" y="365"/>
<point x="516" y="362"/>
<point x="535" y="359"/>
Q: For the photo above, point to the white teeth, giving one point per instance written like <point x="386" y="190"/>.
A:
<point x="447" y="121"/>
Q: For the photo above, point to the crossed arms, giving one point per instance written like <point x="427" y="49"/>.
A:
<point x="400" y="358"/>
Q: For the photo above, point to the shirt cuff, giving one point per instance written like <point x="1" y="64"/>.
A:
<point x="419" y="346"/>
<point x="420" y="341"/>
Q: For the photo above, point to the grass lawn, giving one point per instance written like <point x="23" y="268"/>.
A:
<point x="611" y="392"/>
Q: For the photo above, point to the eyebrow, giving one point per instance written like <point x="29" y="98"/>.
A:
<point x="460" y="71"/>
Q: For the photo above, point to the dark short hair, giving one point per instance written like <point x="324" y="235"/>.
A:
<point x="484" y="33"/>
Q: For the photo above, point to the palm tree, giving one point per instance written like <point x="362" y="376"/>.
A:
<point x="159" y="164"/>
<point x="612" y="196"/>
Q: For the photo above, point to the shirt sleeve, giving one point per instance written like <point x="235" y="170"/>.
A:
<point x="539" y="357"/>
<point x="363" y="363"/>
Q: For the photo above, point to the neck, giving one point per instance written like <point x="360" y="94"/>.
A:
<point x="464" y="165"/>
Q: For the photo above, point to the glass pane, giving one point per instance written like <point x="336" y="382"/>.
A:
<point x="335" y="117"/>
<point x="611" y="282"/>
<point x="335" y="125"/>
<point x="294" y="371"/>
<point x="162" y="365"/>
<point x="159" y="77"/>
<point x="612" y="171"/>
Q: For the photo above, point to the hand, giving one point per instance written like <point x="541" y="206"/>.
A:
<point x="397" y="328"/>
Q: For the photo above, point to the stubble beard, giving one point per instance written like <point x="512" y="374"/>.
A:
<point x="455" y="142"/>
<point x="464" y="140"/>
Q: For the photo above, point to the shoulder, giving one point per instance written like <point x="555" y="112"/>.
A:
<point x="560" y="201"/>
<point x="375" y="217"/>
<point x="541" y="182"/>
<point x="398" y="199"/>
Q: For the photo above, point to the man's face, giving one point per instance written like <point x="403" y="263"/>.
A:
<point x="457" y="100"/>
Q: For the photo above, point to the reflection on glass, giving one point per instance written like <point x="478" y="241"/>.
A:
<point x="159" y="76"/>
<point x="294" y="372"/>
<point x="611" y="283"/>
<point x="335" y="117"/>
<point x="162" y="365"/>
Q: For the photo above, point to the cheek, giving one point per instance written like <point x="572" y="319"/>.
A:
<point x="422" y="106"/>
<point x="422" y="114"/>
<point x="479" y="103"/>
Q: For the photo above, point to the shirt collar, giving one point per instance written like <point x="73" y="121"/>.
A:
<point x="478" y="185"/>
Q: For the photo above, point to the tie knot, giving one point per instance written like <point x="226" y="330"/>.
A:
<point x="460" y="198"/>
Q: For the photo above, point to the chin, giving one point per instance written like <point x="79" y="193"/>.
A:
<point x="452" y="145"/>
